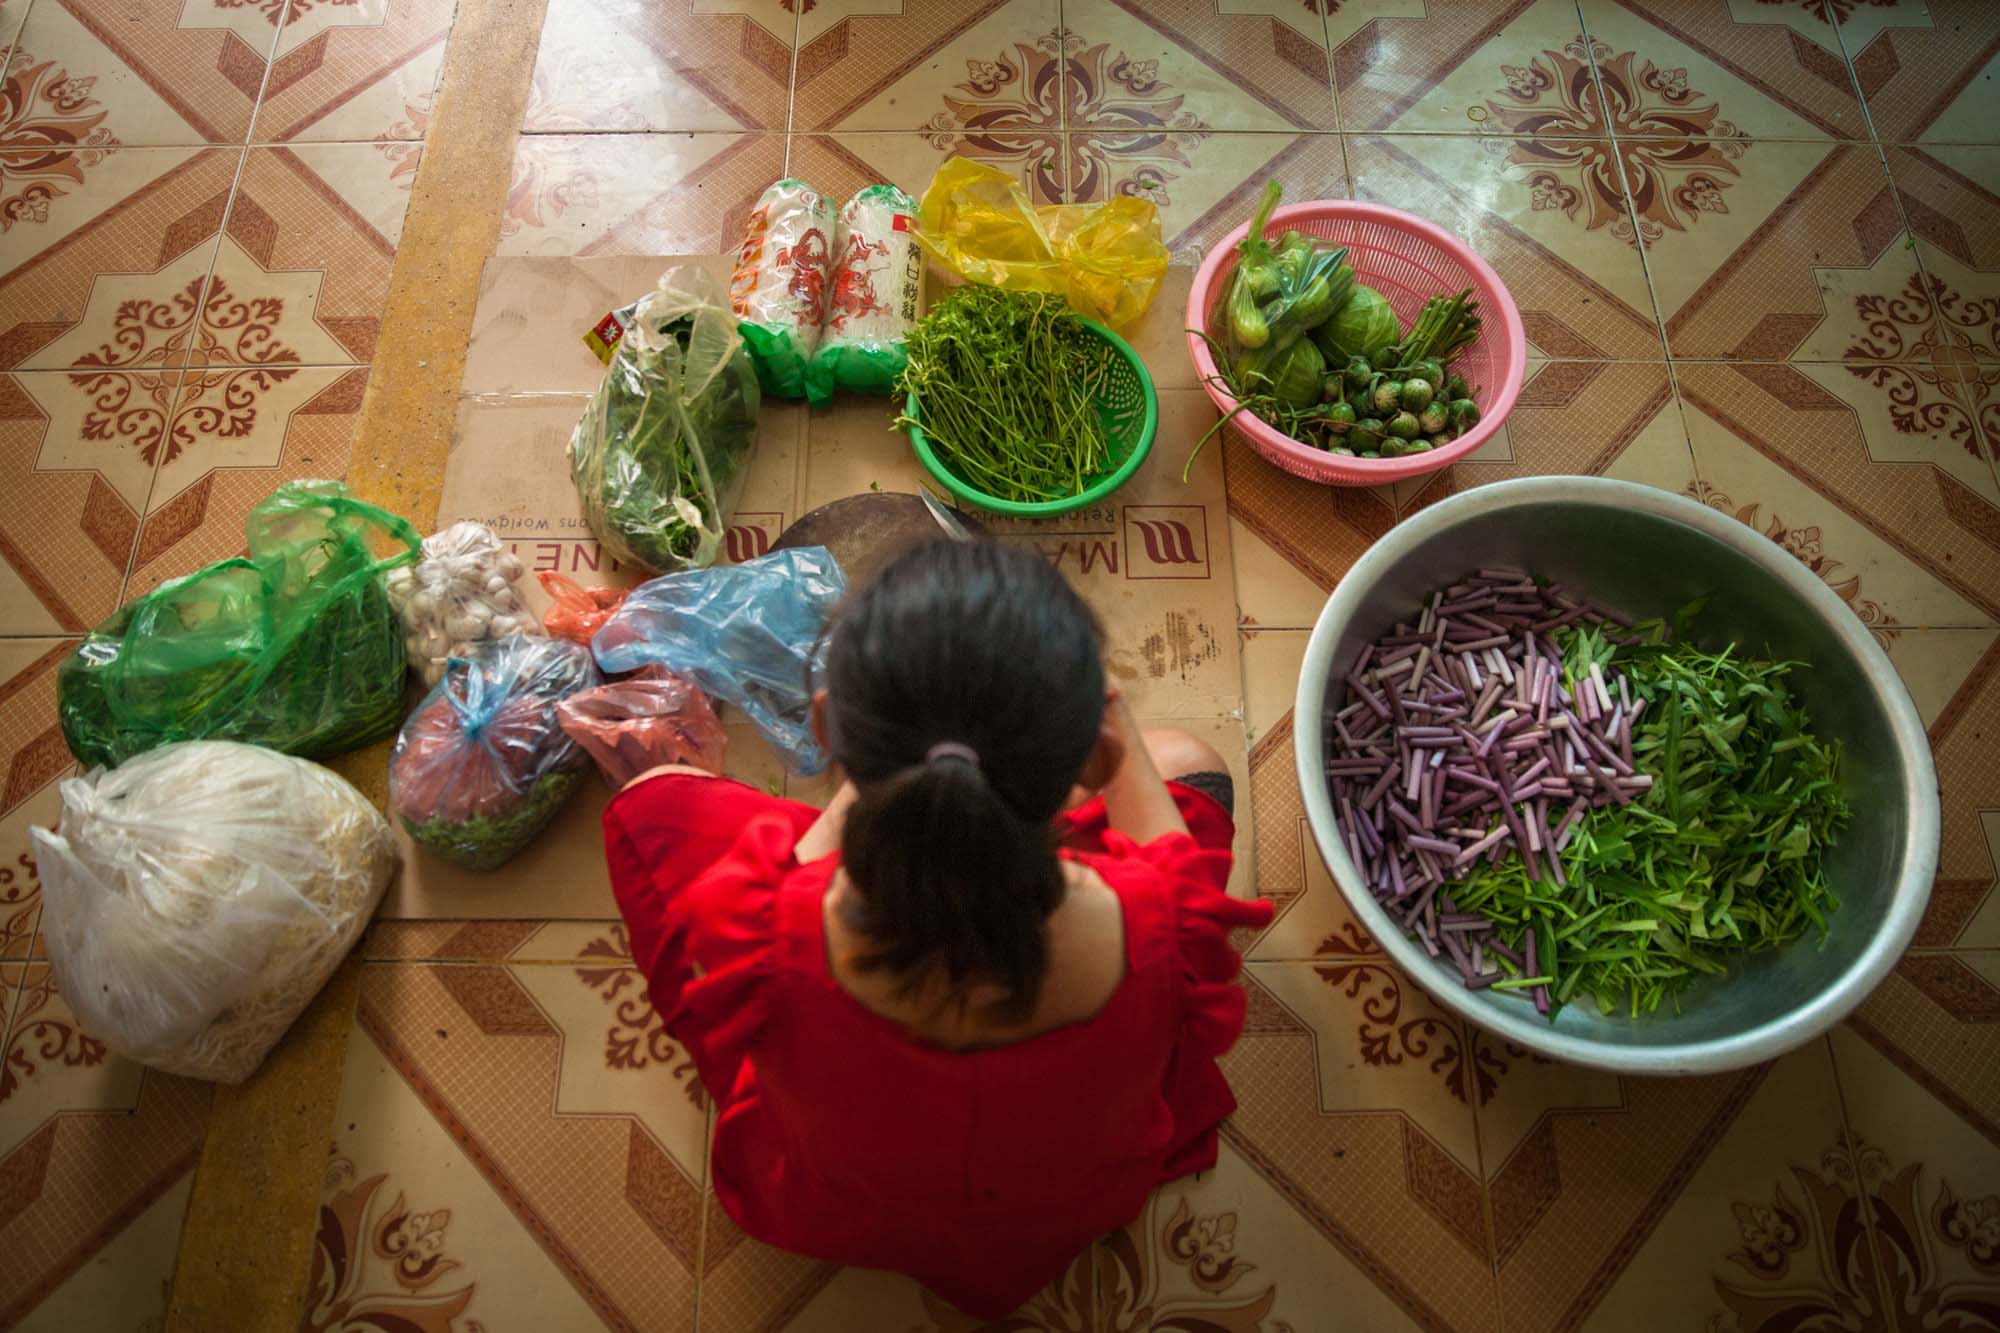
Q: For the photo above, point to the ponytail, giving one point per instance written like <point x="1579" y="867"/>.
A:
<point x="965" y="689"/>
<point x="955" y="880"/>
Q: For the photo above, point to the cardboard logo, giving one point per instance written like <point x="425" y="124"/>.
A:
<point x="1166" y="542"/>
<point x="750" y="535"/>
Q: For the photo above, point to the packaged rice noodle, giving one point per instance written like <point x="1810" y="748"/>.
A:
<point x="778" y="290"/>
<point x="877" y="273"/>
<point x="196" y="898"/>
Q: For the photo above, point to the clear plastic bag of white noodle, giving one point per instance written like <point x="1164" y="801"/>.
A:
<point x="661" y="452"/>
<point x="749" y="635"/>
<point x="196" y="898"/>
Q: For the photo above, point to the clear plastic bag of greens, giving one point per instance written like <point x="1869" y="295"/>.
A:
<point x="294" y="647"/>
<point x="748" y="635"/>
<point x="1107" y="260"/>
<point x="482" y="765"/>
<point x="661" y="452"/>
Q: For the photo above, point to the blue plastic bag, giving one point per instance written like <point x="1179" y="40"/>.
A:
<point x="744" y="633"/>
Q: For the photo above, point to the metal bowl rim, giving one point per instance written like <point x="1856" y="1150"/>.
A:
<point x="1773" y="1037"/>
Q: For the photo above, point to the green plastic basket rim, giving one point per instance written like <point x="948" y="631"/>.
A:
<point x="1090" y="494"/>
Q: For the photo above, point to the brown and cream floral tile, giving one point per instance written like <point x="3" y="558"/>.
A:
<point x="96" y="1155"/>
<point x="1582" y="418"/>
<point x="1549" y="214"/>
<point x="1916" y="1069"/>
<point x="746" y="1284"/>
<point x="146" y="71"/>
<point x="1710" y="67"/>
<point x="511" y="1143"/>
<point x="238" y="432"/>
<point x="363" y="70"/>
<point x="36" y="759"/>
<point x="305" y="257"/>
<point x="1408" y="67"/>
<point x="1204" y="183"/>
<point x="1775" y="250"/>
<point x="1231" y="1248"/>
<point x="635" y="65"/>
<point x="1951" y="194"/>
<point x="1356" y="1106"/>
<point x="870" y="65"/>
<point x="839" y="164"/>
<point x="77" y="453"/>
<point x="13" y="13"/>
<point x="1928" y="69"/>
<point x="104" y="255"/>
<point x="496" y="940"/>
<point x="1692" y="1202"/>
<point x="1293" y="538"/>
<point x="607" y="194"/>
<point x="1142" y="70"/>
<point x="1964" y="909"/>
<point x="1861" y="439"/>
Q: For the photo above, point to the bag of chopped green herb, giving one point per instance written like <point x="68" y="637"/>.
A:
<point x="660" y="454"/>
<point x="294" y="646"/>
<point x="483" y="763"/>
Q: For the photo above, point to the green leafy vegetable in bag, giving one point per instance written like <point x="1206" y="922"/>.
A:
<point x="294" y="647"/>
<point x="661" y="452"/>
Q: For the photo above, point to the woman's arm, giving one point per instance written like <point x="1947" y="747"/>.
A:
<point x="685" y="770"/>
<point x="824" y="835"/>
<point x="1136" y="800"/>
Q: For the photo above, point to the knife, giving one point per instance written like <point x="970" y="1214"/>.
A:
<point x="945" y="519"/>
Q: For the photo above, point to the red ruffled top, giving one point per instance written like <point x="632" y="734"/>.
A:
<point x="840" y="1136"/>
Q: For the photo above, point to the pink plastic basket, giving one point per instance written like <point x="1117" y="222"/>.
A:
<point x="1409" y="261"/>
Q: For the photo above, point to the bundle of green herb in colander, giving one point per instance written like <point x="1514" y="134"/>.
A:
<point x="1006" y="385"/>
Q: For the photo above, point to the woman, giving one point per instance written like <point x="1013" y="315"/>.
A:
<point x="965" y="1020"/>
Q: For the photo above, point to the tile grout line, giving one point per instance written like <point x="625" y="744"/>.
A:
<point x="791" y="120"/>
<point x="200" y="312"/>
<point x="1851" y="1147"/>
<point x="1639" y="245"/>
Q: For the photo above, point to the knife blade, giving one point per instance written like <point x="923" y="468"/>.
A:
<point x="945" y="519"/>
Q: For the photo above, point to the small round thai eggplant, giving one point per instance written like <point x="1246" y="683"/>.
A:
<point x="1432" y="369"/>
<point x="1388" y="396"/>
<point x="1366" y="434"/>
<point x="1454" y="388"/>
<point x="1417" y="394"/>
<point x="1403" y="426"/>
<point x="1340" y="418"/>
<point x="1433" y="418"/>
<point x="1358" y="372"/>
<point x="1464" y="414"/>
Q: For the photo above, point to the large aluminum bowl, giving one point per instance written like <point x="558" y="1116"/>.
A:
<point x="1649" y="552"/>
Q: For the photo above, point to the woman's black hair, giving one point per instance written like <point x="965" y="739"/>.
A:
<point x="976" y="645"/>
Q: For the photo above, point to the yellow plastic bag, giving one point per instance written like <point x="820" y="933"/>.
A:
<point x="1107" y="260"/>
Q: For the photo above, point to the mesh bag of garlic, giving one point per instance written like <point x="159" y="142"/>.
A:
<point x="460" y="593"/>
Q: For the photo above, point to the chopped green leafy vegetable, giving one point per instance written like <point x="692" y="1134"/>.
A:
<point x="1719" y="857"/>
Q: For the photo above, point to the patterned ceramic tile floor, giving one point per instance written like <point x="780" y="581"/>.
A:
<point x="1756" y="244"/>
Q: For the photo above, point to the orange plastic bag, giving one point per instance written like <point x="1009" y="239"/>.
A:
<point x="579" y="612"/>
<point x="651" y="717"/>
<point x="1107" y="260"/>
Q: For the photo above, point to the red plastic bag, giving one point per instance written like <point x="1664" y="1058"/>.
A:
<point x="579" y="612"/>
<point x="651" y="717"/>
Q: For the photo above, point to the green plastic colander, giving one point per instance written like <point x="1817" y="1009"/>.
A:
<point x="1127" y="405"/>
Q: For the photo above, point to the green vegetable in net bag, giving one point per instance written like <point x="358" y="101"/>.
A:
<point x="294" y="647"/>
<point x="661" y="452"/>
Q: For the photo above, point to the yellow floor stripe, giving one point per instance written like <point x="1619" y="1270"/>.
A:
<point x="246" y="1248"/>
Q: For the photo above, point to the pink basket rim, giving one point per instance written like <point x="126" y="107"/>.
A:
<point x="1364" y="471"/>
